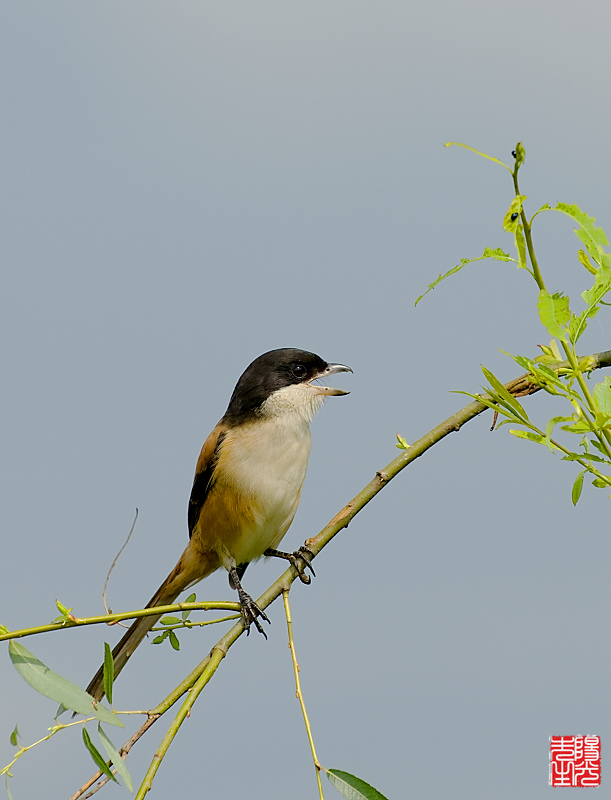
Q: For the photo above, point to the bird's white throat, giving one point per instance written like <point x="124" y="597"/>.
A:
<point x="295" y="403"/>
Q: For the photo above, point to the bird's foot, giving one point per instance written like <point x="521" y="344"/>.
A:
<point x="250" y="612"/>
<point x="302" y="555"/>
<point x="249" y="609"/>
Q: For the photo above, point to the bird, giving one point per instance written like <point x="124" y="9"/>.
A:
<point x="247" y="485"/>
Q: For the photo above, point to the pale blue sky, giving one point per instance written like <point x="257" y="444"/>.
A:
<point x="186" y="185"/>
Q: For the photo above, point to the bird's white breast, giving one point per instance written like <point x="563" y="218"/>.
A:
<point x="265" y="463"/>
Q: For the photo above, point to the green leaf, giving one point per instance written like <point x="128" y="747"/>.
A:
<point x="109" y="672"/>
<point x="496" y="253"/>
<point x="521" y="361"/>
<point x="351" y="787"/>
<point x="65" y="617"/>
<point x="530" y="435"/>
<point x="546" y="207"/>
<point x="9" y="794"/>
<point x="511" y="220"/>
<point x="593" y="297"/>
<point x="159" y="639"/>
<point x="4" y="629"/>
<point x="600" y="484"/>
<point x="598" y="446"/>
<point x="174" y="641"/>
<point x="14" y="737"/>
<point x="583" y="257"/>
<point x="402" y="443"/>
<point x="53" y="686"/>
<point x="190" y="599"/>
<point x="584" y="457"/>
<point x="485" y="401"/>
<point x="169" y="621"/>
<point x="520" y="246"/>
<point x="577" y="487"/>
<point x="549" y="428"/>
<point x="113" y="755"/>
<point x="97" y="756"/>
<point x="579" y="322"/>
<point x="520" y="155"/>
<point x="62" y="608"/>
<point x="581" y="426"/>
<point x="478" y="152"/>
<point x="594" y="238"/>
<point x="503" y="394"/>
<point x="602" y="284"/>
<point x="602" y="395"/>
<point x="554" y="313"/>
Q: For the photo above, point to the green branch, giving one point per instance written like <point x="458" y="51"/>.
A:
<point x="70" y="621"/>
<point x="193" y="684"/>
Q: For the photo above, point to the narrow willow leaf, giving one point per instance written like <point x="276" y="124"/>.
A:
<point x="511" y="220"/>
<point x="485" y="401"/>
<point x="598" y="446"/>
<point x="174" y="641"/>
<point x="577" y="427"/>
<point x="9" y="794"/>
<point x="504" y="394"/>
<point x="585" y="457"/>
<point x="97" y="756"/>
<point x="351" y="787"/>
<point x="159" y="639"/>
<point x="532" y="437"/>
<point x="554" y="313"/>
<point x="113" y="755"/>
<point x="496" y="253"/>
<point x="522" y="361"/>
<point x="600" y="484"/>
<point x="3" y="629"/>
<point x="170" y="621"/>
<point x="53" y="686"/>
<point x="577" y="487"/>
<point x="547" y="374"/>
<point x="585" y="260"/>
<point x="478" y="152"/>
<point x="109" y="671"/>
<point x="190" y="599"/>
<point x="520" y="246"/>
<point x="520" y="155"/>
<point x="549" y="428"/>
<point x="14" y="737"/>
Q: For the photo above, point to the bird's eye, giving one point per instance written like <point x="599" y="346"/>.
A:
<point x="299" y="371"/>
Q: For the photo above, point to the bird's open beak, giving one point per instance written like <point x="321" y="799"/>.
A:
<point x="331" y="369"/>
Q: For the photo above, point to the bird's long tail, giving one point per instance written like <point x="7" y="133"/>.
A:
<point x="188" y="571"/>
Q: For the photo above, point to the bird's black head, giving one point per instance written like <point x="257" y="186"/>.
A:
<point x="277" y="370"/>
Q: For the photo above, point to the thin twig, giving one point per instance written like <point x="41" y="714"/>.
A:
<point x="112" y="566"/>
<point x="108" y="619"/>
<point x="298" y="692"/>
